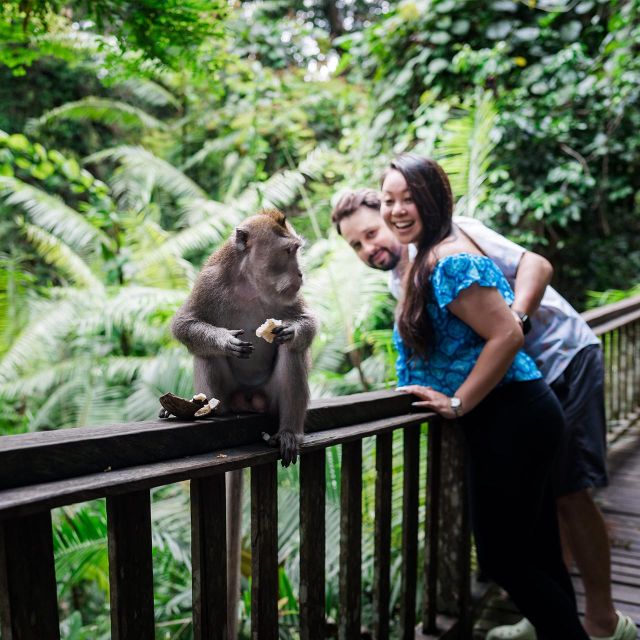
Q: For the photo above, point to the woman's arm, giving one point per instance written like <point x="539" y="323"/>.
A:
<point x="487" y="313"/>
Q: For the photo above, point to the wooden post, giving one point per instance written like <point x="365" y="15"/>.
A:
<point x="209" y="557"/>
<point x="312" y="545"/>
<point x="264" y="552"/>
<point x="130" y="566"/>
<point x="455" y="542"/>
<point x="432" y="526"/>
<point x="411" y="456"/>
<point x="382" y="539"/>
<point x="350" y="541"/>
<point x="28" y="599"/>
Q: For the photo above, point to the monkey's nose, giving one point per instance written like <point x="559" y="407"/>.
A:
<point x="299" y="274"/>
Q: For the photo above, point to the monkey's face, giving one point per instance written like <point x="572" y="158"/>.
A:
<point x="279" y="270"/>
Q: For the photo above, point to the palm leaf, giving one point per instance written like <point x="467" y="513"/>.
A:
<point x="161" y="173"/>
<point x="57" y="253"/>
<point x="52" y="214"/>
<point x="103" y="110"/>
<point x="40" y="340"/>
<point x="150" y="92"/>
<point x="465" y="153"/>
<point x="218" y="145"/>
<point x="218" y="220"/>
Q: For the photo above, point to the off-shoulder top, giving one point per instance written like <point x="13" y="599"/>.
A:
<point x="456" y="346"/>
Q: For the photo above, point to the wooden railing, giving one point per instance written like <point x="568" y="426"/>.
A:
<point x="618" y="326"/>
<point x="121" y="463"/>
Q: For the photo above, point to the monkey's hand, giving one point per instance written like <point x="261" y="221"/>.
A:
<point x="289" y="445"/>
<point x="235" y="347"/>
<point x="286" y="332"/>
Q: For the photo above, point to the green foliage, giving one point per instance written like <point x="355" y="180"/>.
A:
<point x="165" y="32"/>
<point x="141" y="133"/>
<point x="565" y="84"/>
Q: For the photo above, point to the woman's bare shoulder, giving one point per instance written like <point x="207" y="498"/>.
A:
<point x="455" y="243"/>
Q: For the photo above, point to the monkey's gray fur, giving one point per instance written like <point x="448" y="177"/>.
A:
<point x="254" y="276"/>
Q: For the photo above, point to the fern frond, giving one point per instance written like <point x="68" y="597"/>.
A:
<point x="52" y="214"/>
<point x="465" y="153"/>
<point x="103" y="110"/>
<point x="133" y="308"/>
<point x="161" y="173"/>
<point x="39" y="339"/>
<point x="150" y="92"/>
<point x="60" y="255"/>
<point x="218" y="145"/>
<point x="145" y="268"/>
<point x="218" y="219"/>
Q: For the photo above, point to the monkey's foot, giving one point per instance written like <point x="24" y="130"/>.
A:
<point x="288" y="443"/>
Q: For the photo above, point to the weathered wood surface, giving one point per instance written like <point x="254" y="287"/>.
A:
<point x="350" y="541"/>
<point x="264" y="552"/>
<point x="209" y="557"/>
<point x="432" y="527"/>
<point x="312" y="545"/>
<point x="607" y="313"/>
<point x="24" y="500"/>
<point x="410" y="489"/>
<point x="382" y="536"/>
<point x="28" y="597"/>
<point x="54" y="455"/>
<point x="130" y="566"/>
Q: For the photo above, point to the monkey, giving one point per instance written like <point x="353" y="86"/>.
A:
<point x="253" y="276"/>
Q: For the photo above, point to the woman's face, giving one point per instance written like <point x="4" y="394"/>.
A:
<point x="399" y="210"/>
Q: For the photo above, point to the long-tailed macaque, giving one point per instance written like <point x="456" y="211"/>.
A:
<point x="254" y="276"/>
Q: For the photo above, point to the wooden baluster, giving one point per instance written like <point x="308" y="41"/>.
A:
<point x="28" y="598"/>
<point x="624" y="373"/>
<point x="350" y="541"/>
<point x="312" y="545"/>
<point x="130" y="566"/>
<point x="382" y="537"/>
<point x="264" y="552"/>
<point x="209" y="557"/>
<point x="610" y="376"/>
<point x="619" y="386"/>
<point x="410" y="486"/>
<point x="432" y="526"/>
<point x="636" y="364"/>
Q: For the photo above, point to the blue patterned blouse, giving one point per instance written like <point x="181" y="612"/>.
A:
<point x="456" y="345"/>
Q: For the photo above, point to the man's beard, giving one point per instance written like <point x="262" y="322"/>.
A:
<point x="389" y="264"/>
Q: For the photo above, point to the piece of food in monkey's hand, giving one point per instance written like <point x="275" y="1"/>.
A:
<point x="265" y="330"/>
<point x="208" y="408"/>
<point x="181" y="407"/>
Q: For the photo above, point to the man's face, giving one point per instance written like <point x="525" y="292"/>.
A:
<point x="371" y="239"/>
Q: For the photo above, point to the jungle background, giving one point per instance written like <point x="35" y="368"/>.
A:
<point x="135" y="135"/>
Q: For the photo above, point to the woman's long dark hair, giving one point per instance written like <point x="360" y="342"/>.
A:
<point x="431" y="192"/>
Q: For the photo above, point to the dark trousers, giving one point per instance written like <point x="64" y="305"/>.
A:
<point x="513" y="437"/>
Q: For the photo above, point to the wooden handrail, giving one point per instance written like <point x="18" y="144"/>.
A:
<point x="602" y="315"/>
<point x="48" y="456"/>
<point x="122" y="462"/>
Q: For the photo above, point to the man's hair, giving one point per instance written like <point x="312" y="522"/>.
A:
<point x="351" y="201"/>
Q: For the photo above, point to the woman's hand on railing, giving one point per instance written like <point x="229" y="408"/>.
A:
<point x="430" y="399"/>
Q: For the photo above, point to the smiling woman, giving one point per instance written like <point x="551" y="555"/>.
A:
<point x="460" y="353"/>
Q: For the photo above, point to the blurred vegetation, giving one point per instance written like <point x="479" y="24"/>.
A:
<point x="134" y="136"/>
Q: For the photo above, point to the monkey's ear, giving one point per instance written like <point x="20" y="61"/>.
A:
<point x="242" y="238"/>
